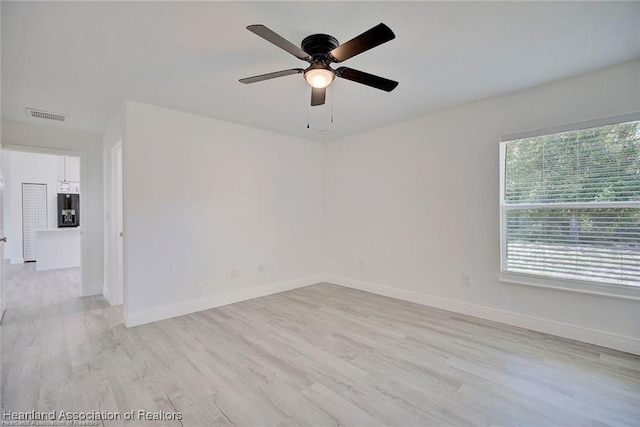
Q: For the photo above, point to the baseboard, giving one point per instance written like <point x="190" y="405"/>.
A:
<point x="92" y="291"/>
<point x="17" y="261"/>
<point x="167" y="312"/>
<point x="591" y="336"/>
<point x="107" y="294"/>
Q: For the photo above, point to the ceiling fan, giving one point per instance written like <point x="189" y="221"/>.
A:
<point x="320" y="50"/>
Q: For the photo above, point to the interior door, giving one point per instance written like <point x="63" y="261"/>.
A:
<point x="34" y="217"/>
<point x="3" y="239"/>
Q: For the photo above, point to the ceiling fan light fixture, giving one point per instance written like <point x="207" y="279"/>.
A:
<point x="319" y="76"/>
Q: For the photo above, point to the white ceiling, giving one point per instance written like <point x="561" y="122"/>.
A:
<point x="85" y="58"/>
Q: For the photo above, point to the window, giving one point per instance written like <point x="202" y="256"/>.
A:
<point x="570" y="208"/>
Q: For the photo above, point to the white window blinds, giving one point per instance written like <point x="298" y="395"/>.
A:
<point x="570" y="205"/>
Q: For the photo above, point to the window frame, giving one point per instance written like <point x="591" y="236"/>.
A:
<point x="573" y="285"/>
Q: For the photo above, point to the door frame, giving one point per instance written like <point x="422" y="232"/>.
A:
<point x="84" y="248"/>
<point x="114" y="243"/>
<point x="3" y="269"/>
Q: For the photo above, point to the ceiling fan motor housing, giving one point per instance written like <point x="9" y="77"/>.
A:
<point x="319" y="46"/>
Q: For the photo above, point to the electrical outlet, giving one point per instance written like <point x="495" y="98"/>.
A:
<point x="466" y="280"/>
<point x="260" y="268"/>
<point x="234" y="272"/>
<point x="361" y="265"/>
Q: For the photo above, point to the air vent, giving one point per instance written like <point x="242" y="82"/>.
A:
<point x="46" y="115"/>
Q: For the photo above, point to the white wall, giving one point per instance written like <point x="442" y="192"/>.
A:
<point x="87" y="146"/>
<point x="22" y="168"/>
<point x="203" y="196"/>
<point x="417" y="203"/>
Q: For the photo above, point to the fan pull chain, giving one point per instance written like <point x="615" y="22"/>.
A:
<point x="308" y="106"/>
<point x="331" y="89"/>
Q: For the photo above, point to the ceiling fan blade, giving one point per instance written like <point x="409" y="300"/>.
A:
<point x="369" y="39"/>
<point x="279" y="41"/>
<point x="268" y="76"/>
<point x="318" y="96"/>
<point x="366" y="79"/>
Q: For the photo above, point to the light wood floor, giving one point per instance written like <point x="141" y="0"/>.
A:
<point x="319" y="355"/>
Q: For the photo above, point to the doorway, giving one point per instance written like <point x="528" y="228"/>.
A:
<point x="36" y="244"/>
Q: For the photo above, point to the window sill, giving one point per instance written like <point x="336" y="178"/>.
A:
<point x="614" y="291"/>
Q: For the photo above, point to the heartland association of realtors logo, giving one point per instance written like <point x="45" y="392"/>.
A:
<point x="89" y="418"/>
